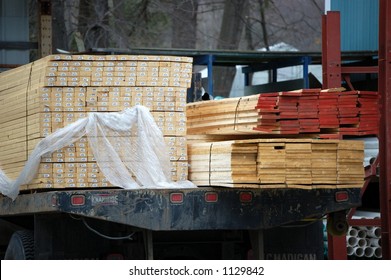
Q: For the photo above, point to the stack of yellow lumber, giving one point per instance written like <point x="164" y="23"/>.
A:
<point x="223" y="163"/>
<point x="227" y="116"/>
<point x="41" y="97"/>
<point x="349" y="158"/>
<point x="298" y="162"/>
<point x="278" y="163"/>
<point x="324" y="161"/>
<point x="271" y="163"/>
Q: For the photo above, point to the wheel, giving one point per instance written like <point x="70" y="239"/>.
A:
<point x="337" y="224"/>
<point x="21" y="246"/>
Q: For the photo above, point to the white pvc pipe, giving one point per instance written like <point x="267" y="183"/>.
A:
<point x="374" y="232"/>
<point x="369" y="252"/>
<point x="352" y="241"/>
<point x="350" y="250"/>
<point x="353" y="232"/>
<point x="374" y="242"/>
<point x="362" y="242"/>
<point x="361" y="234"/>
<point x="359" y="252"/>
<point x="362" y="227"/>
<point x="378" y="253"/>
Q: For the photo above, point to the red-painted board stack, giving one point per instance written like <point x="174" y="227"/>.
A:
<point x="368" y="113"/>
<point x="332" y="114"/>
<point x="289" y="114"/>
<point x="328" y="110"/>
<point x="328" y="114"/>
<point x="308" y="107"/>
<point x="268" y="113"/>
<point x="348" y="112"/>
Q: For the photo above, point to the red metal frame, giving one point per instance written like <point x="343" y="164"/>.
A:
<point x="384" y="88"/>
<point x="333" y="73"/>
<point x="331" y="50"/>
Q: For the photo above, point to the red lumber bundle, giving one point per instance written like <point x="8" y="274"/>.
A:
<point x="332" y="114"/>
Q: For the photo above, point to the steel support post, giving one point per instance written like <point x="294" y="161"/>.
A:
<point x="385" y="123"/>
<point x="331" y="71"/>
<point x="331" y="50"/>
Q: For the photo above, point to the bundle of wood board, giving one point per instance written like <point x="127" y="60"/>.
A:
<point x="331" y="114"/>
<point x="313" y="112"/>
<point x="227" y="116"/>
<point x="41" y="97"/>
<point x="349" y="158"/>
<point x="223" y="163"/>
<point x="278" y="163"/>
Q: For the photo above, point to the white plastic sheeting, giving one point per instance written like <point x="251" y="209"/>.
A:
<point x="124" y="144"/>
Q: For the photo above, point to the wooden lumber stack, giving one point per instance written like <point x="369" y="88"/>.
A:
<point x="368" y="113"/>
<point x="41" y="97"/>
<point x="312" y="112"/>
<point x="271" y="163"/>
<point x="225" y="163"/>
<point x="298" y="163"/>
<point x="328" y="112"/>
<point x="324" y="163"/>
<point x="228" y="116"/>
<point x="278" y="163"/>
<point x="349" y="157"/>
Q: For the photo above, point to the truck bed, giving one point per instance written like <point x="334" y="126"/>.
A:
<point x="203" y="208"/>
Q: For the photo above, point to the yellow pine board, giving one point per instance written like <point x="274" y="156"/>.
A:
<point x="229" y="118"/>
<point x="227" y="129"/>
<point x="235" y="101"/>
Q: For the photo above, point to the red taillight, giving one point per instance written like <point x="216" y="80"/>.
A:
<point x="341" y="196"/>
<point x="54" y="201"/>
<point x="246" y="197"/>
<point x="176" y="198"/>
<point x="211" y="197"/>
<point x="78" y="200"/>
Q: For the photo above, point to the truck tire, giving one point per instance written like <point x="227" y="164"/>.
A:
<point x="21" y="246"/>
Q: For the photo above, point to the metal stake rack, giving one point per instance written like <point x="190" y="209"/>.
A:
<point x="333" y="73"/>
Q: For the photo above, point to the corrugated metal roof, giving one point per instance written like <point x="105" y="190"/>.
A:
<point x="359" y="24"/>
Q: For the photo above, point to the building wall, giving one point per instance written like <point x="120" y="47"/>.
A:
<point x="359" y="23"/>
<point x="14" y="27"/>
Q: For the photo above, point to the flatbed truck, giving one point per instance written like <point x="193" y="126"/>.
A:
<point x="194" y="223"/>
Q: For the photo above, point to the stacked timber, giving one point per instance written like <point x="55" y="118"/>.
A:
<point x="349" y="158"/>
<point x="223" y="163"/>
<point x="324" y="162"/>
<point x="227" y="116"/>
<point x="312" y="112"/>
<point x="41" y="97"/>
<point x="278" y="163"/>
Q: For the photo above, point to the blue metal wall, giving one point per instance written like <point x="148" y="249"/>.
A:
<point x="359" y="24"/>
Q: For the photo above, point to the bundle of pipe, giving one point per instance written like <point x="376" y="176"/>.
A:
<point x="364" y="241"/>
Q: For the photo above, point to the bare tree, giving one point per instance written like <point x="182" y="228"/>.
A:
<point x="201" y="24"/>
<point x="297" y="23"/>
<point x="184" y="23"/>
<point x="229" y="39"/>
<point x="262" y="7"/>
